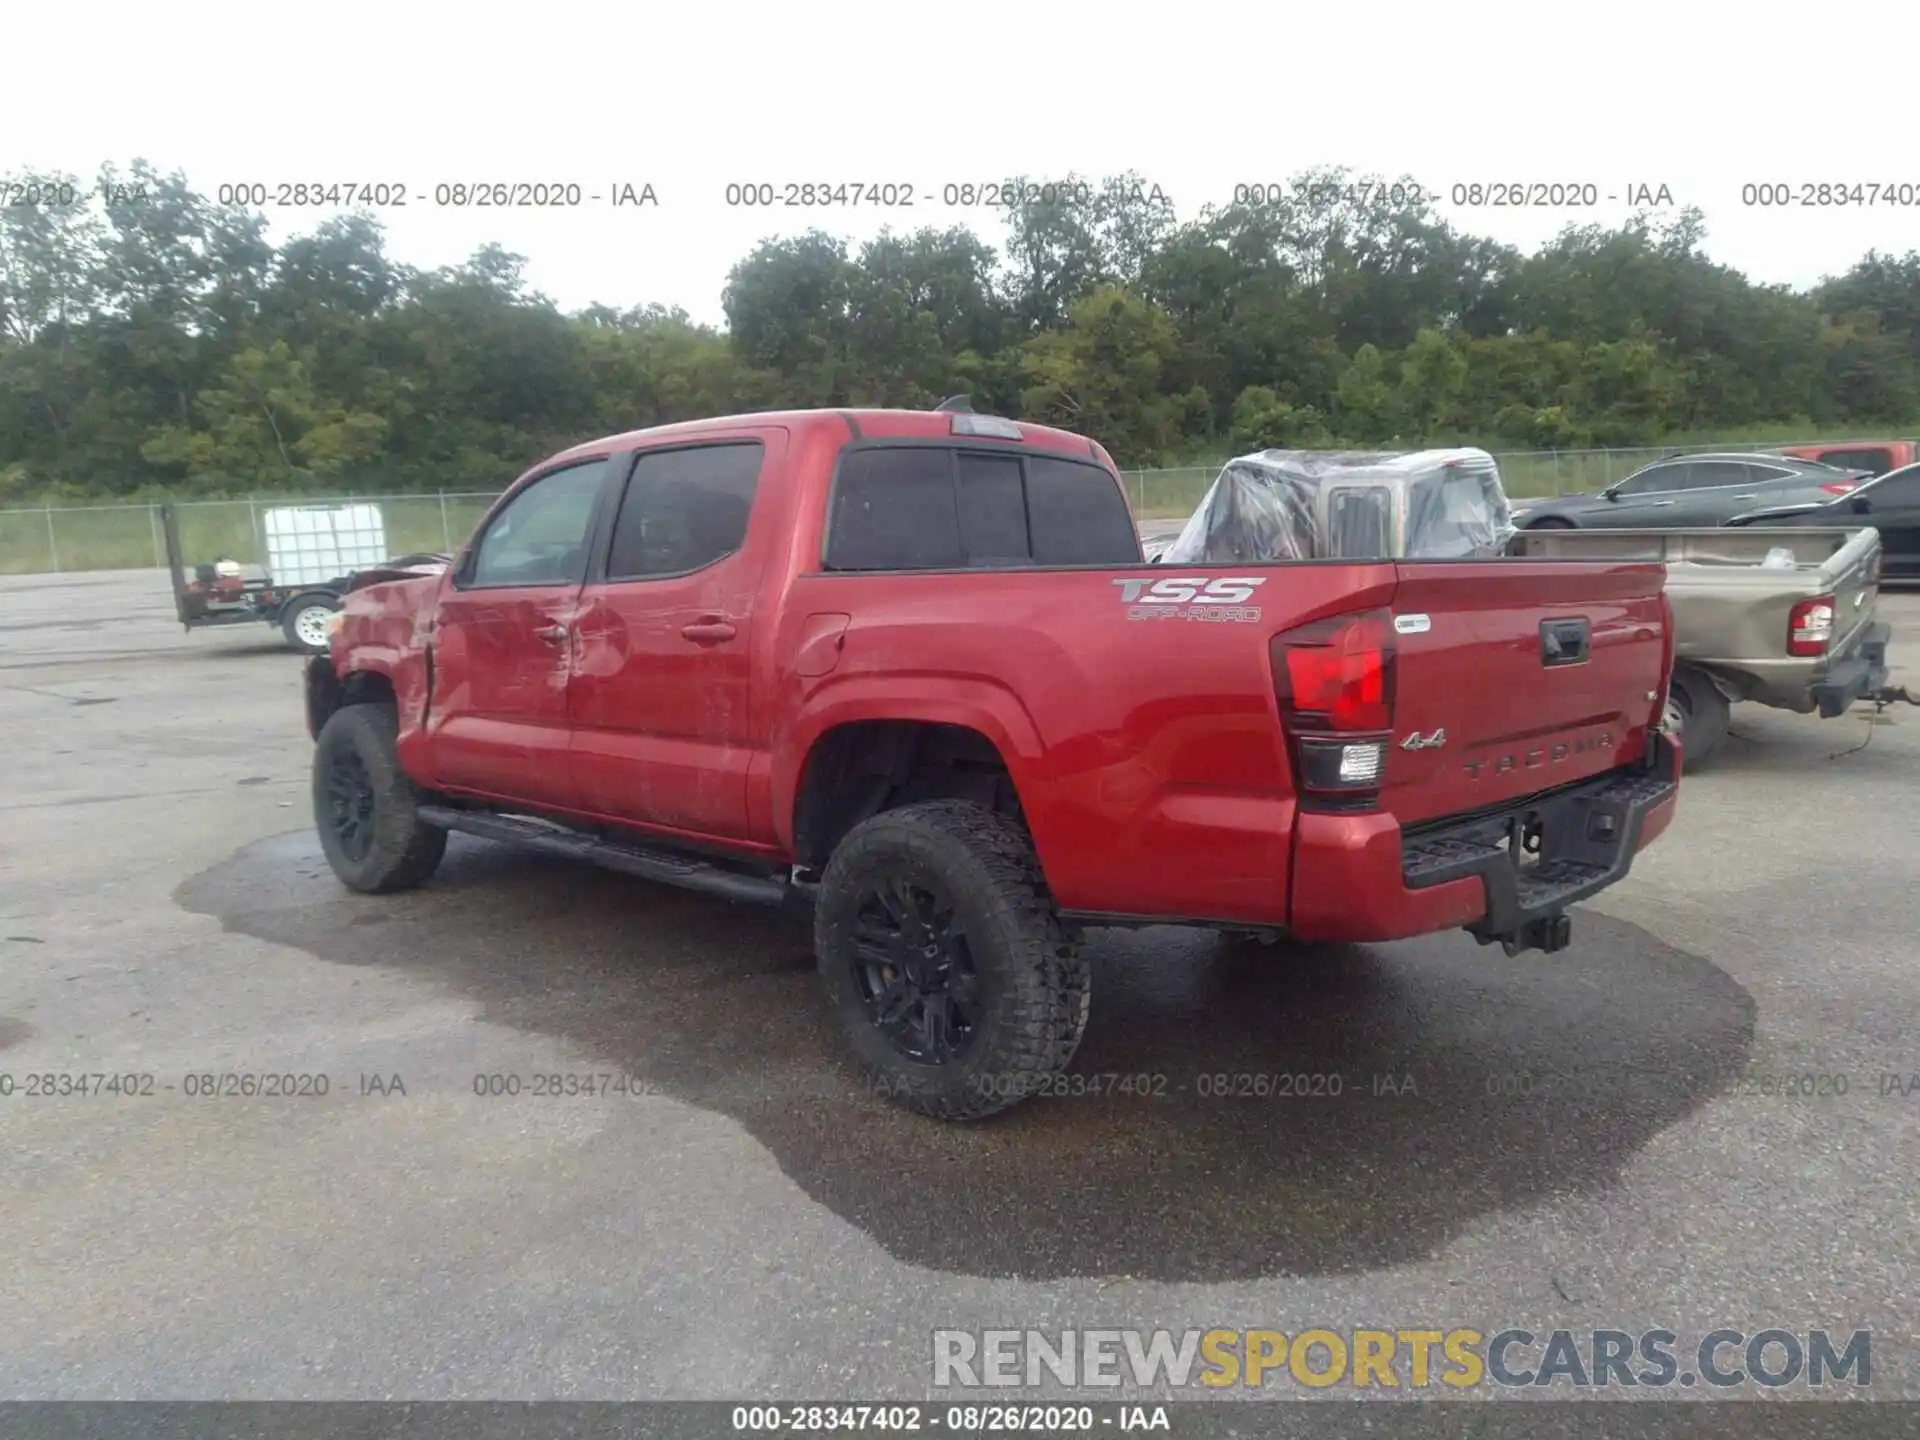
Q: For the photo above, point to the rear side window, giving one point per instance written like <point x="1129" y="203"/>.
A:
<point x="1657" y="480"/>
<point x="1712" y="474"/>
<point x="1078" y="515"/>
<point x="894" y="510"/>
<point x="943" y="508"/>
<point x="683" y="510"/>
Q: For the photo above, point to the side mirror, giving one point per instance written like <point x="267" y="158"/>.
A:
<point x="1862" y="505"/>
<point x="1612" y="492"/>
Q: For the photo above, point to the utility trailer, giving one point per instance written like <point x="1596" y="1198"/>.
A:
<point x="312" y="555"/>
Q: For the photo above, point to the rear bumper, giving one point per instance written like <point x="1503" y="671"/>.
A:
<point x="1360" y="877"/>
<point x="1861" y="673"/>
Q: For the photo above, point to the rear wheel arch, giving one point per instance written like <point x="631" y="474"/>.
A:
<point x="857" y="769"/>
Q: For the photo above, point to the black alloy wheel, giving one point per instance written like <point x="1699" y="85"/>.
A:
<point x="350" y="803"/>
<point x="914" y="971"/>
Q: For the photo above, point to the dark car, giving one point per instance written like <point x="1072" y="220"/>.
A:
<point x="1890" y="504"/>
<point x="1692" y="490"/>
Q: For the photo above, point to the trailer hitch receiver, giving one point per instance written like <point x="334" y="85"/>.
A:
<point x="1547" y="934"/>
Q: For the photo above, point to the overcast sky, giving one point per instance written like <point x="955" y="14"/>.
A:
<point x="1195" y="96"/>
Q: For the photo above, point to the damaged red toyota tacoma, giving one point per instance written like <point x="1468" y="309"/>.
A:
<point x="911" y="668"/>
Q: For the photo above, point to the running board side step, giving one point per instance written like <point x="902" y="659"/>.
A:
<point x="662" y="865"/>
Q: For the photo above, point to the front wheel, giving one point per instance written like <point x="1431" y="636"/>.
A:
<point x="304" y="623"/>
<point x="366" y="809"/>
<point x="1550" y="522"/>
<point x="954" y="978"/>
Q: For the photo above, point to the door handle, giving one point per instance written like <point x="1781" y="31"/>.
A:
<point x="708" y="632"/>
<point x="1563" y="642"/>
<point x="552" y="634"/>
<point x="1658" y="504"/>
<point x="1746" y="497"/>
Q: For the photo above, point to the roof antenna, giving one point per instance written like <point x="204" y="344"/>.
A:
<point x="956" y="405"/>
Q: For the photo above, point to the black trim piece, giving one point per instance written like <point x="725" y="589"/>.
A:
<point x="852" y="424"/>
<point x="1121" y="920"/>
<point x="648" y="862"/>
<point x="426" y="701"/>
<point x="1523" y="907"/>
<point x="1564" y="642"/>
<point x="605" y="507"/>
<point x="323" y="689"/>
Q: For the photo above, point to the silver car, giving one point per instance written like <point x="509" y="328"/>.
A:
<point x="1689" y="491"/>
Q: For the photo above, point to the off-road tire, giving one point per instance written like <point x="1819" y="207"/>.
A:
<point x="1036" y="995"/>
<point x="390" y="848"/>
<point x="291" y="617"/>
<point x="1698" y="713"/>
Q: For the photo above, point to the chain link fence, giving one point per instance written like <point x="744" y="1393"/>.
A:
<point x="54" y="539"/>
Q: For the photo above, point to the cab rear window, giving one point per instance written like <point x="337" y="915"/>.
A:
<point x="942" y="507"/>
<point x="1878" y="461"/>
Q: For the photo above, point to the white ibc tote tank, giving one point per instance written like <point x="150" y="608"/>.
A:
<point x="312" y="544"/>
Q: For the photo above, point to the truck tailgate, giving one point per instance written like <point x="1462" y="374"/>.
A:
<point x="1515" y="676"/>
<point x="1730" y="607"/>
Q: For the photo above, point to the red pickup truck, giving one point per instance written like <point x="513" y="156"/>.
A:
<point x="912" y="668"/>
<point x="1876" y="457"/>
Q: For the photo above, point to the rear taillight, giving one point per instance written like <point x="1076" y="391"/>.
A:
<point x="1810" y="626"/>
<point x="1334" y="680"/>
<point x="1839" y="487"/>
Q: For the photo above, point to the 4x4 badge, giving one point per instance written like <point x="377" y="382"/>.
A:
<point x="1417" y="741"/>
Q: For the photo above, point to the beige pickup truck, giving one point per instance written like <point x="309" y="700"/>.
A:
<point x="1783" y="617"/>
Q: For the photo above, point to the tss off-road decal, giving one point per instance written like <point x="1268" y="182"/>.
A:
<point x="1193" y="597"/>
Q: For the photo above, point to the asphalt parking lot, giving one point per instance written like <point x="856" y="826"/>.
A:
<point x="1587" y="1140"/>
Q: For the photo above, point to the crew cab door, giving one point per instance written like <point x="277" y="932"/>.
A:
<point x="1719" y="490"/>
<point x="662" y="683"/>
<point x="1650" y="497"/>
<point x="498" y="722"/>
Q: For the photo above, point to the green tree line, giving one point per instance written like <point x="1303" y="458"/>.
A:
<point x="153" y="341"/>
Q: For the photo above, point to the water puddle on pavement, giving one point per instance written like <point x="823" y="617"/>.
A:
<point x="1207" y="1138"/>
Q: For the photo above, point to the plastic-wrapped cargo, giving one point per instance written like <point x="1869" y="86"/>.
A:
<point x="1349" y="505"/>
